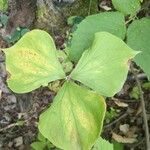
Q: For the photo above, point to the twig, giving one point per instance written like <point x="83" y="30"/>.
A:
<point x="115" y="121"/>
<point x="135" y="144"/>
<point x="125" y="100"/>
<point x="130" y="19"/>
<point x="9" y="126"/>
<point x="90" y="4"/>
<point x="140" y="76"/>
<point x="14" y="124"/>
<point x="143" y="107"/>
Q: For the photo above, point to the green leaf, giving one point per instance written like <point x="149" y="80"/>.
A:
<point x="41" y="138"/>
<point x="32" y="62"/>
<point x="4" y="19"/>
<point x="24" y="31"/>
<point x="138" y="37"/>
<point x="74" y="20"/>
<point x="135" y="93"/>
<point x="118" y="146"/>
<point x="83" y="37"/>
<point x="38" y="145"/>
<point x="14" y="37"/>
<point x="3" y="5"/>
<point x="127" y="7"/>
<point x="102" y="144"/>
<point x="146" y="86"/>
<point x="104" y="66"/>
<point x="75" y="119"/>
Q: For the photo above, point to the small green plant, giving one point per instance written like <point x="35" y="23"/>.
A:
<point x="75" y="119"/>
<point x="3" y="5"/>
<point x="110" y="114"/>
<point x="16" y="35"/>
<point x="41" y="143"/>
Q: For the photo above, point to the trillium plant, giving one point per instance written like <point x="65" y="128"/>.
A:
<point x="74" y="121"/>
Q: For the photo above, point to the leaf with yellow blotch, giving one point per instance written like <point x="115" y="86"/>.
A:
<point x="32" y="62"/>
<point x="75" y="119"/>
<point x="104" y="66"/>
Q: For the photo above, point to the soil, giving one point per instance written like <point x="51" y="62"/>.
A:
<point x="19" y="112"/>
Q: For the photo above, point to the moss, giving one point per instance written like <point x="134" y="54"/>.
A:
<point x="81" y="8"/>
<point x="40" y="12"/>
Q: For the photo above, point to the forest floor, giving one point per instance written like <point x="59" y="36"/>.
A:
<point x="19" y="112"/>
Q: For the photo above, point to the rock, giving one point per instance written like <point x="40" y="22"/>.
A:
<point x="10" y="107"/>
<point x="3" y="87"/>
<point x="1" y="144"/>
<point x="1" y="55"/>
<point x="7" y="117"/>
<point x="11" y="99"/>
<point x="18" y="141"/>
<point x="10" y="144"/>
<point x="2" y="70"/>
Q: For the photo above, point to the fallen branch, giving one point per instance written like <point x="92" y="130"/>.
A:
<point x="8" y="127"/>
<point x="14" y="125"/>
<point x="143" y="107"/>
<point x="115" y="121"/>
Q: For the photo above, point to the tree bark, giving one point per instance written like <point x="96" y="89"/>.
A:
<point x="52" y="14"/>
<point x="21" y="14"/>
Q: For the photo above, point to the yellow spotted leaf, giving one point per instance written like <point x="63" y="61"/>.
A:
<point x="104" y="66"/>
<point x="32" y="62"/>
<point x="74" y="120"/>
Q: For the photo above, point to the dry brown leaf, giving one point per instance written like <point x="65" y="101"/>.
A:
<point x="132" y="131"/>
<point x="124" y="128"/>
<point x="18" y="141"/>
<point x="139" y="110"/>
<point x="123" y="139"/>
<point x="119" y="103"/>
<point x="104" y="6"/>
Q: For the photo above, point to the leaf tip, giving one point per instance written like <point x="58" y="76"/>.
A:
<point x="136" y="53"/>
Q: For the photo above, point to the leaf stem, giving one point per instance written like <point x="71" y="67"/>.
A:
<point x="130" y="19"/>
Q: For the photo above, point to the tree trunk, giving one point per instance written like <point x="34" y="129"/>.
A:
<point x="52" y="14"/>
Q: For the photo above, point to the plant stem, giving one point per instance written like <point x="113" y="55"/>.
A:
<point x="130" y="19"/>
<point x="15" y="124"/>
<point x="143" y="107"/>
<point x="115" y="121"/>
<point x="90" y="4"/>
